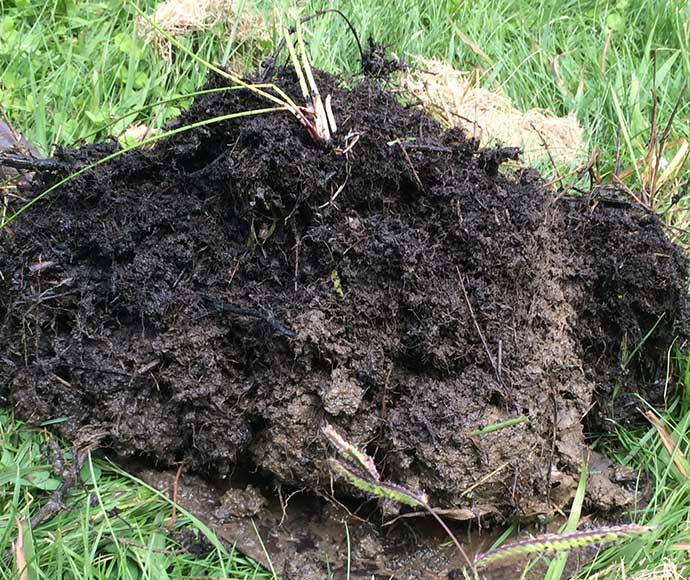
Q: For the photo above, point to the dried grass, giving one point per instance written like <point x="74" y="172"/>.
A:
<point x="454" y="97"/>
<point x="136" y="133"/>
<point x="666" y="571"/>
<point x="182" y="17"/>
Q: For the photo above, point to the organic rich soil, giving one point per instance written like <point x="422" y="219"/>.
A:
<point x="217" y="298"/>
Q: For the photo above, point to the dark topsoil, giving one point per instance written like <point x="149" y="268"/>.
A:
<point x="216" y="299"/>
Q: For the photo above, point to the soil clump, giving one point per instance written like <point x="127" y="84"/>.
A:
<point x="215" y="299"/>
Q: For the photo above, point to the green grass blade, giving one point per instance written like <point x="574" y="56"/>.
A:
<point x="8" y="220"/>
<point x="557" y="567"/>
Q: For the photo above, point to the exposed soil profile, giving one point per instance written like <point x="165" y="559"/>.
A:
<point x="216" y="299"/>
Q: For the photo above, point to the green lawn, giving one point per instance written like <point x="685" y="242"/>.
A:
<point x="74" y="70"/>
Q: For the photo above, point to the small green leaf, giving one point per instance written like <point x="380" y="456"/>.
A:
<point x="7" y="25"/>
<point x="85" y="473"/>
<point x="53" y="421"/>
<point x="337" y="284"/>
<point x="9" y="80"/>
<point x="615" y="22"/>
<point x="96" y="117"/>
<point x="43" y="480"/>
<point x="140" y="80"/>
<point x="121" y="74"/>
<point x="172" y="112"/>
<point x="123" y="42"/>
<point x="13" y="474"/>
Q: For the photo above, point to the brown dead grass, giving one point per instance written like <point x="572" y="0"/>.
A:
<point x="136" y="132"/>
<point x="182" y="17"/>
<point x="666" y="571"/>
<point x="455" y="98"/>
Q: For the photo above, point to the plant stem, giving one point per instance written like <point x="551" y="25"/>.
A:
<point x="8" y="220"/>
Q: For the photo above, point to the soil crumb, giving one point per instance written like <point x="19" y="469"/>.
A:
<point x="216" y="299"/>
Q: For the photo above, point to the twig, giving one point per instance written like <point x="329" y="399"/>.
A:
<point x="266" y="316"/>
<point x="284" y="502"/>
<point x="479" y="330"/>
<point x="484" y="479"/>
<point x="662" y="141"/>
<point x="438" y="108"/>
<point x="35" y="164"/>
<point x="451" y="535"/>
<point x="580" y="171"/>
<point x="176" y="485"/>
<point x="450" y="513"/>
<point x="409" y="162"/>
<point x="667" y="129"/>
<point x="548" y="152"/>
<point x="586" y="168"/>
<point x="132" y="544"/>
<point x="56" y="501"/>
<point x="234" y="271"/>
<point x="621" y="185"/>
<point x="298" y="243"/>
<point x="604" y="52"/>
<point x="341" y="187"/>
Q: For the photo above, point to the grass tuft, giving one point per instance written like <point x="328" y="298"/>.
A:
<point x="114" y="526"/>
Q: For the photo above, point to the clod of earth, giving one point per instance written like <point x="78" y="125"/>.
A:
<point x="183" y="300"/>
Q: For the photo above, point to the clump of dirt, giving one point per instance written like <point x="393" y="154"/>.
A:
<point x="216" y="299"/>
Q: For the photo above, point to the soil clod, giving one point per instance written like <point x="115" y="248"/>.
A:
<point x="218" y="298"/>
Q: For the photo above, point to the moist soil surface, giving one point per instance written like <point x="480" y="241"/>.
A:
<point x="218" y="298"/>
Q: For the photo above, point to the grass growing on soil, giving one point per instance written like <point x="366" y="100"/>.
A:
<point x="70" y="70"/>
<point x="591" y="58"/>
<point x="70" y="67"/>
<point x="113" y="526"/>
<point x="668" y="510"/>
